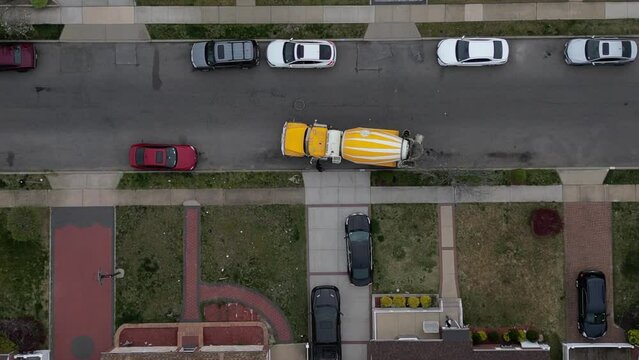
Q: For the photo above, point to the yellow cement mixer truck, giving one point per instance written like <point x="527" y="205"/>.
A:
<point x="367" y="146"/>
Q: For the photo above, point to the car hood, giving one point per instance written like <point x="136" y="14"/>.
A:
<point x="358" y="223"/>
<point x="446" y="51"/>
<point x="274" y="53"/>
<point x="186" y="158"/>
<point x="198" y="55"/>
<point x="576" y="50"/>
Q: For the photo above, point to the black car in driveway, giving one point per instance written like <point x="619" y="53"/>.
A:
<point x="326" y="341"/>
<point x="591" y="287"/>
<point x="359" y="249"/>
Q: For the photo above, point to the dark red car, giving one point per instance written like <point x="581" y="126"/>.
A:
<point x="163" y="157"/>
<point x="20" y="57"/>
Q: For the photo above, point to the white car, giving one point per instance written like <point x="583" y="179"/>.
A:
<point x="303" y="54"/>
<point x="600" y="51"/>
<point x="472" y="52"/>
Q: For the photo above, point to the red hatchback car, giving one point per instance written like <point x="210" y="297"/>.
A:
<point x="163" y="157"/>
<point x="20" y="57"/>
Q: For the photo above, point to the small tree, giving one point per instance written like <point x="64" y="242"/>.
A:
<point x="532" y="335"/>
<point x="426" y="301"/>
<point x="386" y="301"/>
<point x="513" y="335"/>
<point x="25" y="224"/>
<point x="476" y="338"/>
<point x="546" y="222"/>
<point x="399" y="301"/>
<point x="413" y="302"/>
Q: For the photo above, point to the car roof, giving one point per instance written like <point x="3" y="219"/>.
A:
<point x="226" y="51"/>
<point x="308" y="51"/>
<point x="481" y="48"/>
<point x="6" y="54"/>
<point x="596" y="294"/>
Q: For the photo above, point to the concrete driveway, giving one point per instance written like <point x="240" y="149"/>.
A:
<point x="327" y="250"/>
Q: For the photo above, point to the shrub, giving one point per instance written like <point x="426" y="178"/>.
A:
<point x="513" y="335"/>
<point x="27" y="333"/>
<point x="399" y="301"/>
<point x="413" y="302"/>
<point x="493" y="336"/>
<point x="476" y="337"/>
<point x="7" y="346"/>
<point x="532" y="335"/>
<point x="38" y="4"/>
<point x="386" y="301"/>
<point x="522" y="335"/>
<point x="25" y="223"/>
<point x="426" y="301"/>
<point x="518" y="177"/>
<point x="633" y="337"/>
<point x="482" y="335"/>
<point x="546" y="222"/>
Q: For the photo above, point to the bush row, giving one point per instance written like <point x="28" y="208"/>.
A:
<point x="509" y="337"/>
<point x="400" y="301"/>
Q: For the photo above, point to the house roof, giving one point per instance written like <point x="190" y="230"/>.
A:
<point x="440" y="350"/>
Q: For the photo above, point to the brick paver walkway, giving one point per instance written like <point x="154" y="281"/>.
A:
<point x="196" y="292"/>
<point x="191" y="263"/>
<point x="588" y="246"/>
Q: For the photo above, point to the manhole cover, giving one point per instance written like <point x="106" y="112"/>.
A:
<point x="82" y="347"/>
<point x="299" y="105"/>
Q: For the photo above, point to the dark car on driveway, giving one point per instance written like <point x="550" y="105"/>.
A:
<point x="20" y="57"/>
<point x="326" y="341"/>
<point x="591" y="287"/>
<point x="219" y="54"/>
<point x="163" y="157"/>
<point x="359" y="249"/>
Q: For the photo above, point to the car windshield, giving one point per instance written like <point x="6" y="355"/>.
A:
<point x="358" y="236"/>
<point x="171" y="157"/>
<point x="592" y="49"/>
<point x="289" y="52"/>
<point x="462" y="50"/>
<point x="139" y="156"/>
<point x="599" y="318"/>
<point x="325" y="325"/>
<point x="17" y="55"/>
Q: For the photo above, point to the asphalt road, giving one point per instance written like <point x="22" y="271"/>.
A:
<point x="85" y="104"/>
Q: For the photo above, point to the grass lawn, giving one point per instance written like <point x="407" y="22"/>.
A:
<point x="263" y="248"/>
<point x="260" y="247"/>
<point x="530" y="28"/>
<point x="258" y="31"/>
<point x="24" y="270"/>
<point x="621" y="177"/>
<point x="625" y="232"/>
<point x="225" y="180"/>
<point x="405" y="248"/>
<point x="465" y="177"/>
<point x="507" y="276"/>
<point x="31" y="182"/>
<point x="39" y="32"/>
<point x="149" y="249"/>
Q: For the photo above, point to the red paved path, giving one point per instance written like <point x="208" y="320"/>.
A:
<point x="229" y="312"/>
<point x="81" y="306"/>
<point x="588" y="246"/>
<point x="191" y="264"/>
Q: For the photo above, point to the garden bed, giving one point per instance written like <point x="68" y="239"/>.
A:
<point x="507" y="275"/>
<point x="149" y="246"/>
<point x="399" y="232"/>
<point x="263" y="248"/>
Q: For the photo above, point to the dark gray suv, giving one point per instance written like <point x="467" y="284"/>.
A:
<point x="326" y="341"/>
<point x="218" y="54"/>
<point x="591" y="287"/>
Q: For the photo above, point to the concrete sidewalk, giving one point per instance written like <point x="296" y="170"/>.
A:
<point x="122" y="12"/>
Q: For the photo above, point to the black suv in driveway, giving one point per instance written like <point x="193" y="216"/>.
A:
<point x="359" y="249"/>
<point x="326" y="342"/>
<point x="591" y="287"/>
<point x="217" y="54"/>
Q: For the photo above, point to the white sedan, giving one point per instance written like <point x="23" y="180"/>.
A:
<point x="472" y="52"/>
<point x="303" y="54"/>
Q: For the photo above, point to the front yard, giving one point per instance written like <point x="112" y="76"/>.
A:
<point x="260" y="247"/>
<point x="507" y="276"/>
<point x="149" y="249"/>
<point x="24" y="263"/>
<point x="405" y="248"/>
<point x="625" y="232"/>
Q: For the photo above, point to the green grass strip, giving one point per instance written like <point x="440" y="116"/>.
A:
<point x="465" y="177"/>
<point x="622" y="177"/>
<point x="224" y="180"/>
<point x="530" y="28"/>
<point x="258" y="31"/>
<point x="39" y="32"/>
